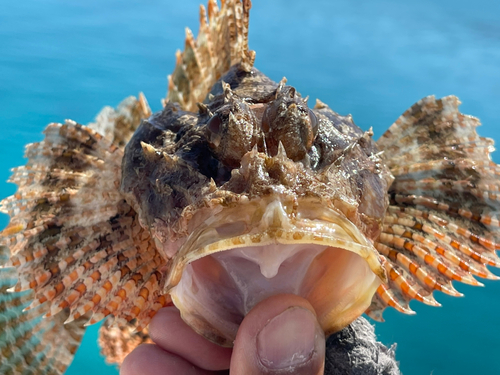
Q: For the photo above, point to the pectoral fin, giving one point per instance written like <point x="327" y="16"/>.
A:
<point x="443" y="220"/>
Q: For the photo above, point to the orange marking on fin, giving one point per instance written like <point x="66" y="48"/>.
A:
<point x="439" y="235"/>
<point x="55" y="270"/>
<point x="42" y="299"/>
<point x="43" y="277"/>
<point x="413" y="267"/>
<point x="408" y="246"/>
<point x="96" y="299"/>
<point x="59" y="288"/>
<point x="67" y="301"/>
<point x="393" y="274"/>
<point x="162" y="300"/>
<point x="486" y="220"/>
<point x="135" y="311"/>
<point x="406" y="234"/>
<point x="81" y="288"/>
<point x="96" y="275"/>
<point x="122" y="294"/>
<point x="429" y="259"/>
<point x="144" y="293"/>
<point x="407" y="289"/>
<point x="442" y="268"/>
<point x="108" y="286"/>
<point x="51" y="294"/>
<point x="73" y="275"/>
<point x="112" y="306"/>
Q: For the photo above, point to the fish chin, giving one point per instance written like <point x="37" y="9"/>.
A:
<point x="266" y="248"/>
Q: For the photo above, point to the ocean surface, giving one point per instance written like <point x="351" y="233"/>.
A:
<point x="373" y="59"/>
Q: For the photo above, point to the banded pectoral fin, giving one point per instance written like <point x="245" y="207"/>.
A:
<point x="443" y="220"/>
<point x="77" y="250"/>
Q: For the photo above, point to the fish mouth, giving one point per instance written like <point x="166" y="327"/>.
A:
<point x="242" y="255"/>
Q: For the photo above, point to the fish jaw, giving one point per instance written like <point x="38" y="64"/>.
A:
<point x="245" y="254"/>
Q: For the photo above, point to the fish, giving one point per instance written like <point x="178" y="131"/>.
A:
<point x="74" y="167"/>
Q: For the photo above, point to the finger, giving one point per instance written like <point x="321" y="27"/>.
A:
<point x="169" y="332"/>
<point x="279" y="335"/>
<point x="149" y="359"/>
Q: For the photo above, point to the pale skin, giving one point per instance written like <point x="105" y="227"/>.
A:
<point x="280" y="335"/>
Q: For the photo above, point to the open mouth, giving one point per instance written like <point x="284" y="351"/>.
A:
<point x="242" y="255"/>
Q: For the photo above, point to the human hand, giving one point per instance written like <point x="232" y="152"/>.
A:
<point x="280" y="335"/>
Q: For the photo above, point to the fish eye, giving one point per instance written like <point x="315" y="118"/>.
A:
<point x="214" y="125"/>
<point x="314" y="122"/>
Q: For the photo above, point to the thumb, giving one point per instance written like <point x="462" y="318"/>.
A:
<point x="279" y="335"/>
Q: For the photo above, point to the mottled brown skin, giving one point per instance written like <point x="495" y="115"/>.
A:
<point x="287" y="119"/>
<point x="328" y="158"/>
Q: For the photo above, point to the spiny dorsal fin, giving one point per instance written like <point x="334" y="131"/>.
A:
<point x="221" y="43"/>
<point x="442" y="224"/>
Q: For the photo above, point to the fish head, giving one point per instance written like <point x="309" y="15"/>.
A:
<point x="257" y="194"/>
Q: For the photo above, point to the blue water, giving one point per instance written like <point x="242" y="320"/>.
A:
<point x="373" y="59"/>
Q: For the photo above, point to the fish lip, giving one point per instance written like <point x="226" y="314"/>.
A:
<point x="276" y="224"/>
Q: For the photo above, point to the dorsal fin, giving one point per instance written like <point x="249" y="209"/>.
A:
<point x="221" y="43"/>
